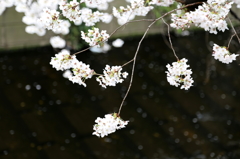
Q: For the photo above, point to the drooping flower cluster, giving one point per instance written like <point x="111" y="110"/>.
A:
<point x="112" y="76"/>
<point x="81" y="72"/>
<point x="107" y="125"/>
<point x="179" y="73"/>
<point x="210" y="16"/>
<point x="63" y="60"/>
<point x="223" y="55"/>
<point x="94" y="37"/>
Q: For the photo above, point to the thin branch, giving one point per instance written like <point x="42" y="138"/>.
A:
<point x="230" y="40"/>
<point x="82" y="50"/>
<point x="128" y="62"/>
<point x="139" y="44"/>
<point x="234" y="30"/>
<point x="170" y="41"/>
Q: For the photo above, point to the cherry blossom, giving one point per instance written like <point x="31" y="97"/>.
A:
<point x="57" y="42"/>
<point x="223" y="55"/>
<point x="179" y="73"/>
<point x="63" y="60"/>
<point x="118" y="43"/>
<point x="94" y="37"/>
<point x="70" y="10"/>
<point x="81" y="72"/>
<point x="210" y="16"/>
<point x="112" y="76"/>
<point x="107" y="125"/>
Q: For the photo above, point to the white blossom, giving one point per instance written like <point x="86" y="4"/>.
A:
<point x="63" y="60"/>
<point x="70" y="10"/>
<point x="67" y="74"/>
<point x="81" y="72"/>
<point x="94" y="37"/>
<point x="50" y="19"/>
<point x="111" y="76"/>
<point x="223" y="55"/>
<point x="107" y="125"/>
<point x="179" y="73"/>
<point x="118" y="43"/>
<point x="210" y="16"/>
<point x="103" y="49"/>
<point x="57" y="42"/>
<point x="136" y="8"/>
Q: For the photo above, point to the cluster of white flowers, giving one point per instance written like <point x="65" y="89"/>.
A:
<point x="32" y="11"/>
<point x="70" y="10"/>
<point x="209" y="16"/>
<point x="50" y="19"/>
<point x="91" y="18"/>
<point x="112" y="76"/>
<point x="165" y="3"/>
<point x="94" y="37"/>
<point x="57" y="42"/>
<point x="63" y="60"/>
<point x="99" y="4"/>
<point x="137" y="8"/>
<point x="223" y="55"/>
<point x="179" y="73"/>
<point x="81" y="72"/>
<point x="108" y="125"/>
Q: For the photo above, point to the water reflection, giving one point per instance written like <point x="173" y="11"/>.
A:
<point x="43" y="115"/>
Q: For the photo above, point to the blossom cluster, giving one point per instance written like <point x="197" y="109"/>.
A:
<point x="70" y="10"/>
<point x="223" y="55"/>
<point x="179" y="73"/>
<point x="107" y="125"/>
<point x="94" y="37"/>
<point x="112" y="76"/>
<point x="137" y="8"/>
<point x="64" y="61"/>
<point x="210" y="16"/>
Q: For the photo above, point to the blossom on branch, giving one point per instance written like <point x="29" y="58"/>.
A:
<point x="94" y="37"/>
<point x="63" y="60"/>
<point x="50" y="19"/>
<point x="81" y="72"/>
<point x="137" y="8"/>
<point x="222" y="54"/>
<point x="179" y="73"/>
<point x="109" y="124"/>
<point x="70" y="10"/>
<point x="111" y="76"/>
<point x="210" y="16"/>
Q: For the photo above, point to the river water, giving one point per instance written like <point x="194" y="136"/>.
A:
<point x="45" y="116"/>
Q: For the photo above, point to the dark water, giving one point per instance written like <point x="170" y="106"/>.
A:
<point x="44" y="116"/>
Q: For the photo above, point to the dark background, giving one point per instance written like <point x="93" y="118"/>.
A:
<point x="45" y="116"/>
